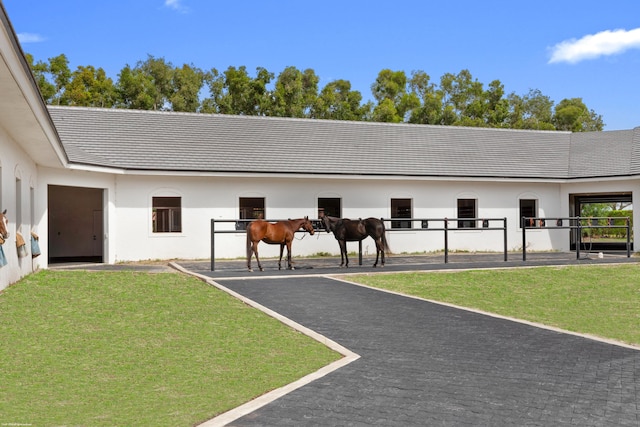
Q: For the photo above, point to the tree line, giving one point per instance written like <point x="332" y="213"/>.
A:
<point x="456" y="100"/>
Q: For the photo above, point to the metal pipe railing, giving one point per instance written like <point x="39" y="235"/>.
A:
<point x="574" y="223"/>
<point x="485" y="225"/>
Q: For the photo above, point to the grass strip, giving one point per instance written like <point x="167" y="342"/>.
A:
<point x="599" y="300"/>
<point x="127" y="348"/>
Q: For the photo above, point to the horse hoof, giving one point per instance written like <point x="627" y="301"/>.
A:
<point x="261" y="269"/>
<point x="251" y="270"/>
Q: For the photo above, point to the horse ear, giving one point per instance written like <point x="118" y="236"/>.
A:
<point x="306" y="217"/>
<point x="4" y="212"/>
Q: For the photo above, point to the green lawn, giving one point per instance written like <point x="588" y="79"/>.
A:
<point x="125" y="348"/>
<point x="597" y="300"/>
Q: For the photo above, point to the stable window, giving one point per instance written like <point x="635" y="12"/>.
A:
<point x="467" y="209"/>
<point x="330" y="206"/>
<point x="167" y="215"/>
<point x="401" y="208"/>
<point x="250" y="208"/>
<point x="18" y="205"/>
<point x="529" y="209"/>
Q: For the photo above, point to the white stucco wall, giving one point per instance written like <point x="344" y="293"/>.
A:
<point x="128" y="201"/>
<point x="16" y="165"/>
<point x="204" y="198"/>
<point x="76" y="178"/>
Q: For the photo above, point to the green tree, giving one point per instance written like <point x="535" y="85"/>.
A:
<point x="215" y="82"/>
<point x="61" y="74"/>
<point x="385" y="111"/>
<point x="147" y="86"/>
<point x="459" y="99"/>
<point x="531" y="111"/>
<point x="337" y="101"/>
<point x="295" y="93"/>
<point x="186" y="86"/>
<point x="464" y="96"/>
<point x="394" y="102"/>
<point x="52" y="77"/>
<point x="135" y="90"/>
<point x="40" y="72"/>
<point x="235" y="92"/>
<point x="573" y="115"/>
<point x="430" y="109"/>
<point x="89" y="87"/>
<point x="496" y="105"/>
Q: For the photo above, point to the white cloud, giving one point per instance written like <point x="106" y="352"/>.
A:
<point x="30" y="38"/>
<point x="595" y="45"/>
<point x="176" y="5"/>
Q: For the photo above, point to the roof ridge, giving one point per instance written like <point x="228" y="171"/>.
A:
<point x="305" y="119"/>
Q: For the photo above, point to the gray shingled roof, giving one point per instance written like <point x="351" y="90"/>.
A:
<point x="189" y="142"/>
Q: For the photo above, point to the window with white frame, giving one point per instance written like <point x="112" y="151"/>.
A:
<point x="166" y="214"/>
<point x="467" y="208"/>
<point x="529" y="209"/>
<point x="330" y="206"/>
<point x="250" y="208"/>
<point x="401" y="208"/>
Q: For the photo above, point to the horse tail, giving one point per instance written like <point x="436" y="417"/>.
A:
<point x="249" y="242"/>
<point x="385" y="245"/>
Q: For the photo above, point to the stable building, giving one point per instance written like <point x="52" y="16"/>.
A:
<point x="111" y="185"/>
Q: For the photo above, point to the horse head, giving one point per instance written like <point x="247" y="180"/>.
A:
<point x="4" y="225"/>
<point x="326" y="223"/>
<point x="308" y="225"/>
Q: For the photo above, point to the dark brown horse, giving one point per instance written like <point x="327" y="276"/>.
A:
<point x="279" y="233"/>
<point x="351" y="230"/>
<point x="4" y="225"/>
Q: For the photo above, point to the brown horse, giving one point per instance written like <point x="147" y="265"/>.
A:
<point x="348" y="230"/>
<point x="279" y="233"/>
<point x="4" y="225"/>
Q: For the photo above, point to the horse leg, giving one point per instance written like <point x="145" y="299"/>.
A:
<point x="344" y="258"/>
<point x="255" y="250"/>
<point x="375" y="264"/>
<point x="290" y="265"/>
<point x="280" y="260"/>
<point x="379" y="253"/>
<point x="249" y="253"/>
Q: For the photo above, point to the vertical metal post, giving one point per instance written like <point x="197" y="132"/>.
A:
<point x="628" y="238"/>
<point x="504" y="224"/>
<point x="579" y="238"/>
<point x="213" y="244"/>
<point x="524" y="238"/>
<point x="446" y="240"/>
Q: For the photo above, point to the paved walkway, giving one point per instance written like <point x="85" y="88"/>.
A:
<point x="428" y="364"/>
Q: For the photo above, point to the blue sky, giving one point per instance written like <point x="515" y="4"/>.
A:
<point x="566" y="49"/>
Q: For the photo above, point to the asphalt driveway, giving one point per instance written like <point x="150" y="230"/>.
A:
<point x="428" y="364"/>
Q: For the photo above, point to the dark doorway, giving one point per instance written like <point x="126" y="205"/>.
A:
<point x="76" y="218"/>
<point x="589" y="205"/>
